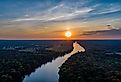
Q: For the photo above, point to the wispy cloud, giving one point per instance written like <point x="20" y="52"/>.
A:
<point x="106" y="8"/>
<point x="56" y="7"/>
<point x="62" y="11"/>
<point x="56" y="17"/>
<point x="55" y="13"/>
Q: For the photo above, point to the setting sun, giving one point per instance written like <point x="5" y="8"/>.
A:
<point x="68" y="34"/>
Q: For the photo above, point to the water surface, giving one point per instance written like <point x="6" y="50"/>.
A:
<point x="49" y="72"/>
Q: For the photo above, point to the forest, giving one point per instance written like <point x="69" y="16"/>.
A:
<point x="17" y="61"/>
<point x="100" y="63"/>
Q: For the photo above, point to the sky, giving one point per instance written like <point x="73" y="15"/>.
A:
<point x="50" y="19"/>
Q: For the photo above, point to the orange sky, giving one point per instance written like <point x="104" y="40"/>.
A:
<point x="51" y="19"/>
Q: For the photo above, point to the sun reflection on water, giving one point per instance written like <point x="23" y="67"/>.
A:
<point x="76" y="49"/>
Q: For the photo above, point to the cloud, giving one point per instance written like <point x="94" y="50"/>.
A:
<point x="55" y="10"/>
<point x="66" y="11"/>
<point x="57" y="13"/>
<point x="62" y="12"/>
<point x="104" y="32"/>
<point x="56" y="7"/>
<point x="82" y="12"/>
<point x="56" y="18"/>
<point x="106" y="8"/>
<point x="109" y="11"/>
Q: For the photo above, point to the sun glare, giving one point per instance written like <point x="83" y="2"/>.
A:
<point x="68" y="34"/>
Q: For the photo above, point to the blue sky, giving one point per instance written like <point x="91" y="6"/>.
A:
<point x="37" y="19"/>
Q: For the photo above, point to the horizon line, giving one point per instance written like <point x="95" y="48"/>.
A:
<point x="68" y="39"/>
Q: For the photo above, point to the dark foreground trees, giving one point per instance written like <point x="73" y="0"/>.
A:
<point x="15" y="64"/>
<point x="91" y="67"/>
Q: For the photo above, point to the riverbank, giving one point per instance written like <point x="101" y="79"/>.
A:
<point x="49" y="71"/>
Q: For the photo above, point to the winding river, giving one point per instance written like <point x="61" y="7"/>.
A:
<point x="49" y="72"/>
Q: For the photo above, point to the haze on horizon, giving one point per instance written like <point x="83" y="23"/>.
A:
<point x="49" y="19"/>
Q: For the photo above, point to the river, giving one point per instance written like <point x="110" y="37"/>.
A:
<point x="49" y="72"/>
